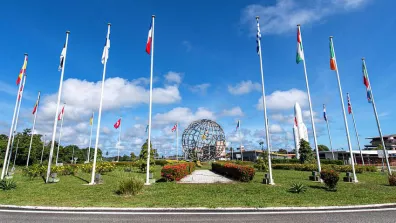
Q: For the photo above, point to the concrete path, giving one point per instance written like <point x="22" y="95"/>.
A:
<point x="204" y="177"/>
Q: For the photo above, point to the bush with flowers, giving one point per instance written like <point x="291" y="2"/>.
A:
<point x="175" y="172"/>
<point x="242" y="173"/>
<point x="330" y="178"/>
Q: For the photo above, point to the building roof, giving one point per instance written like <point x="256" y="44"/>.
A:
<point x="385" y="136"/>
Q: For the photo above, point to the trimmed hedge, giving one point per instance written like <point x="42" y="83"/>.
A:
<point x="314" y="167"/>
<point x="297" y="161"/>
<point x="242" y="173"/>
<point x="176" y="172"/>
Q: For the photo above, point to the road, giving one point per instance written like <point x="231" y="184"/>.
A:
<point x="380" y="215"/>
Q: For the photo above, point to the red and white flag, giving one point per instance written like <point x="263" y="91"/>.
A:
<point x="149" y="38"/>
<point x="174" y="127"/>
<point x="20" y="92"/>
<point x="117" y="124"/>
<point x="60" y="116"/>
<point x="349" y="104"/>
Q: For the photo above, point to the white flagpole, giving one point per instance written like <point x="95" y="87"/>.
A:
<point x="60" y="137"/>
<point x="90" y="139"/>
<point x="355" y="180"/>
<point x="100" y="112"/>
<point x="310" y="110"/>
<point x="267" y="136"/>
<point x="11" y="131"/>
<point x="119" y="141"/>
<point x="151" y="101"/>
<point x="356" y="132"/>
<point x="42" y="151"/>
<point x="17" y="118"/>
<point x="328" y="132"/>
<point x="377" y="120"/>
<point x="177" y="141"/>
<point x="57" y="110"/>
<point x="34" y="124"/>
<point x="16" y="153"/>
<point x="240" y="139"/>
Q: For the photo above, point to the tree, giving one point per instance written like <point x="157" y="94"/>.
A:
<point x="107" y="153"/>
<point x="282" y="151"/>
<point x="143" y="156"/>
<point x="306" y="155"/>
<point x="323" y="148"/>
<point x="133" y="156"/>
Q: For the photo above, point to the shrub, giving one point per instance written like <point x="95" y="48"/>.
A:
<point x="130" y="185"/>
<point x="34" y="171"/>
<point x="298" y="188"/>
<point x="314" y="167"/>
<point x="261" y="165"/>
<point x="198" y="163"/>
<point x="161" y="162"/>
<point x="177" y="171"/>
<point x="235" y="171"/>
<point x="330" y="178"/>
<point x="7" y="184"/>
<point x="392" y="179"/>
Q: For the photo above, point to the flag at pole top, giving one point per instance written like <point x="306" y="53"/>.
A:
<point x="62" y="57"/>
<point x="349" y="104"/>
<point x="20" y="92"/>
<point x="174" y="127"/>
<point x="258" y="37"/>
<point x="105" y="54"/>
<point x="324" y="113"/>
<point x="333" y="64"/>
<point x="91" y="120"/>
<point x="60" y="116"/>
<point x="366" y="82"/>
<point x="117" y="124"/>
<point x="23" y="71"/>
<point x="149" y="38"/>
<point x="300" y="50"/>
<point x="36" y="105"/>
<point x="238" y="125"/>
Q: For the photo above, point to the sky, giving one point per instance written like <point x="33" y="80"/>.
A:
<point x="205" y="67"/>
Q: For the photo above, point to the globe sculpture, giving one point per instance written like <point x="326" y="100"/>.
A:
<point x="203" y="140"/>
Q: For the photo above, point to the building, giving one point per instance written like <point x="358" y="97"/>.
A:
<point x="390" y="142"/>
<point x="371" y="157"/>
<point x="252" y="155"/>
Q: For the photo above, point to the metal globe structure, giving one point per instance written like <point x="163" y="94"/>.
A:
<point x="203" y="140"/>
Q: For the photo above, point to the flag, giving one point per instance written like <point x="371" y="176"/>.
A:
<point x="36" y="105"/>
<point x="238" y="125"/>
<point x="91" y="119"/>
<point x="174" y="127"/>
<point x="349" y="104"/>
<point x="333" y="64"/>
<point x="366" y="82"/>
<point x="20" y="92"/>
<point x="300" y="50"/>
<point x="60" y="116"/>
<point x="105" y="54"/>
<point x="23" y="71"/>
<point x="204" y="135"/>
<point x="258" y="37"/>
<point x="149" y="38"/>
<point x="295" y="121"/>
<point x="324" y="113"/>
<point x="117" y="124"/>
<point x="147" y="128"/>
<point x="62" y="57"/>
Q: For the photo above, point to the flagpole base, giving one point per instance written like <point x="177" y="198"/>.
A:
<point x="147" y="184"/>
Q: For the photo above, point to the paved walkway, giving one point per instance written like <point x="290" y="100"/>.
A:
<point x="204" y="177"/>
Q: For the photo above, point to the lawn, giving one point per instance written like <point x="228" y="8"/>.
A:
<point x="71" y="191"/>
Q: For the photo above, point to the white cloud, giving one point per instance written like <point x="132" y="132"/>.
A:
<point x="286" y="14"/>
<point x="173" y="77"/>
<point x="244" y="87"/>
<point x="283" y="100"/>
<point x="235" y="111"/>
<point x="182" y="115"/>
<point x="200" y="88"/>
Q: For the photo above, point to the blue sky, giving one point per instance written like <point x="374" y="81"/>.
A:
<point x="205" y="66"/>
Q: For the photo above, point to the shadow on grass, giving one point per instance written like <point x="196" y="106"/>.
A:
<point x="318" y="187"/>
<point x="161" y="180"/>
<point x="81" y="178"/>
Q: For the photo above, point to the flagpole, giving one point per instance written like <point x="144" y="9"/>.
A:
<point x="328" y="132"/>
<point x="34" y="124"/>
<point x="310" y="109"/>
<point x="90" y="139"/>
<point x="60" y="137"/>
<point x="100" y="113"/>
<point x="151" y="101"/>
<point x="16" y="153"/>
<point x="267" y="136"/>
<point x="377" y="120"/>
<point x="42" y="151"/>
<point x="355" y="180"/>
<point x="17" y="116"/>
<point x="177" y="141"/>
<point x="356" y="132"/>
<point x="119" y="142"/>
<point x="57" y="110"/>
<point x="240" y="139"/>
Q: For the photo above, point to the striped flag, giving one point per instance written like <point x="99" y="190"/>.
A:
<point x="105" y="54"/>
<point x="20" y="92"/>
<point x="300" y="50"/>
<point x="36" y="105"/>
<point x="333" y="64"/>
<point x="91" y="119"/>
<point x="238" y="125"/>
<point x="60" y="116"/>
<point x="349" y="104"/>
<point x="117" y="124"/>
<point x="149" y="38"/>
<point x="324" y="113"/>
<point x="258" y="37"/>
<point x="62" y="57"/>
<point x="23" y="71"/>
<point x="366" y="82"/>
<point x="174" y="127"/>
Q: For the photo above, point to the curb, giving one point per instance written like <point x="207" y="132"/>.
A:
<point x="200" y="209"/>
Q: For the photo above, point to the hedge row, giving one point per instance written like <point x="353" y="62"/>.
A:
<point x="314" y="167"/>
<point x="297" y="161"/>
<point x="176" y="172"/>
<point x="242" y="173"/>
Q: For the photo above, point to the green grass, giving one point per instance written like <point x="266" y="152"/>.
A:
<point x="70" y="191"/>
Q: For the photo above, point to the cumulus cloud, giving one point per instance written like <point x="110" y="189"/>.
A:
<point x="235" y="111"/>
<point x="173" y="77"/>
<point x="283" y="100"/>
<point x="183" y="115"/>
<point x="244" y="87"/>
<point x="284" y="15"/>
<point x="199" y="88"/>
